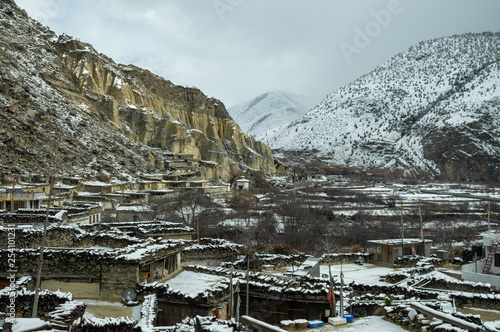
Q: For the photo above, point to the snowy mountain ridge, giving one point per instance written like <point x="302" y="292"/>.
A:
<point x="269" y="111"/>
<point x="433" y="108"/>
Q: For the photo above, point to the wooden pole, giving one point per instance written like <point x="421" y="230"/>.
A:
<point x="421" y="221"/>
<point x="248" y="289"/>
<point x="332" y="305"/>
<point x="489" y="216"/>
<point x="341" y="309"/>
<point x="13" y="192"/>
<point x="42" y="248"/>
<point x="231" y="293"/>
<point x="402" y="233"/>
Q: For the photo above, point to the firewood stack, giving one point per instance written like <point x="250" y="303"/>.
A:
<point x="108" y="324"/>
<point x="64" y="315"/>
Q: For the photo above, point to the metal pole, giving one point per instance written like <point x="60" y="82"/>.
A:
<point x="42" y="248"/>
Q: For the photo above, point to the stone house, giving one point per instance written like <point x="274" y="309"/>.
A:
<point x="12" y="200"/>
<point x="82" y="213"/>
<point x="63" y="192"/>
<point x="107" y="202"/>
<point x="71" y="213"/>
<point x="130" y="196"/>
<point x="92" y="265"/>
<point x="133" y="212"/>
<point x="389" y="250"/>
<point x="153" y="229"/>
<point x="102" y="187"/>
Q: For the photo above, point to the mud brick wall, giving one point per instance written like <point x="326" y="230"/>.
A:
<point x="118" y="277"/>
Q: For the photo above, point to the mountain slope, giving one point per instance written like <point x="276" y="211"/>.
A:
<point x="67" y="107"/>
<point x="432" y="108"/>
<point x="269" y="111"/>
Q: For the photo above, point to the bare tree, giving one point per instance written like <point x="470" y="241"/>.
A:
<point x="293" y="210"/>
<point x="188" y="207"/>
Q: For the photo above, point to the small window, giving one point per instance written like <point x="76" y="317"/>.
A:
<point x="497" y="260"/>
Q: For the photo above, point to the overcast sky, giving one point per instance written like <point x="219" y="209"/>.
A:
<point x="236" y="49"/>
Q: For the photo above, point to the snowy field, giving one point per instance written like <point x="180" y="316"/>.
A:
<point x="366" y="273"/>
<point x="366" y="324"/>
<point x="102" y="309"/>
<point x="192" y="283"/>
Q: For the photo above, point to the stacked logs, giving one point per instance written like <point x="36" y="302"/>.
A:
<point x="92" y="324"/>
<point x="64" y="315"/>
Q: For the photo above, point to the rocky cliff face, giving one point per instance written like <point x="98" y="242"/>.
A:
<point x="67" y="108"/>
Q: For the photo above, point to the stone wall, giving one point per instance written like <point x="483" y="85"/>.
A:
<point x="70" y="265"/>
<point x="350" y="257"/>
<point x="277" y="261"/>
<point x="210" y="252"/>
<point x="463" y="286"/>
<point x="65" y="237"/>
<point x="47" y="302"/>
<point x="118" y="277"/>
<point x="411" y="320"/>
<point x="92" y="324"/>
<point x="484" y="301"/>
<point x="363" y="309"/>
<point x="416" y="261"/>
<point x="388" y="290"/>
<point x="398" y="276"/>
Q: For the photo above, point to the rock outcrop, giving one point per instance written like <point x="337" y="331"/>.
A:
<point x="66" y="107"/>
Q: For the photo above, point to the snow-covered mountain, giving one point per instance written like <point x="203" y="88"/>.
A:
<point x="269" y="111"/>
<point x="433" y="108"/>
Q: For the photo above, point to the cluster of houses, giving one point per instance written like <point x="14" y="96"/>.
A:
<point x="77" y="201"/>
<point x="136" y="252"/>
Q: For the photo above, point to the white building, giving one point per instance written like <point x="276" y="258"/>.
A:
<point x="242" y="184"/>
<point x="486" y="270"/>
